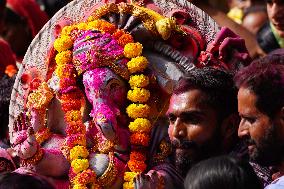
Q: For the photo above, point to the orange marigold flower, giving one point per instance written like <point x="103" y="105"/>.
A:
<point x="72" y="104"/>
<point x="118" y="34"/>
<point x="86" y="177"/>
<point x="140" y="139"/>
<point x="74" y="140"/>
<point x="11" y="70"/>
<point x="137" y="166"/>
<point x="138" y="156"/>
<point x="75" y="127"/>
<point x="73" y="115"/>
<point x="124" y="39"/>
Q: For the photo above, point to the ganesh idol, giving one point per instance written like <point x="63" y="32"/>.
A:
<point x="88" y="105"/>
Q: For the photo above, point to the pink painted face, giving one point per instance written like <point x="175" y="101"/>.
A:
<point x="106" y="91"/>
<point x="102" y="85"/>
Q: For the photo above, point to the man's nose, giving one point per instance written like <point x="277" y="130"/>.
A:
<point x="179" y="130"/>
<point x="243" y="130"/>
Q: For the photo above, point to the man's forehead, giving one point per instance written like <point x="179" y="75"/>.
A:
<point x="188" y="101"/>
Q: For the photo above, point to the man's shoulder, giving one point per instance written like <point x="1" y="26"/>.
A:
<point x="277" y="184"/>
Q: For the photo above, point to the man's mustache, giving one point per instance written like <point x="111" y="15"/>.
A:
<point x="184" y="144"/>
<point x="249" y="141"/>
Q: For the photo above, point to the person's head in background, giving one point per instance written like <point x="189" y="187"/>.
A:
<point x="261" y="108"/>
<point x="275" y="10"/>
<point x="222" y="172"/>
<point x="7" y="71"/>
<point x="21" y="21"/>
<point x="20" y="181"/>
<point x="203" y="116"/>
<point x="255" y="17"/>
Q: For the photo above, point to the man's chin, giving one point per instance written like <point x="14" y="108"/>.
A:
<point x="184" y="160"/>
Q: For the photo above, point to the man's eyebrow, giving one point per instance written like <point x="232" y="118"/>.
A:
<point x="192" y="113"/>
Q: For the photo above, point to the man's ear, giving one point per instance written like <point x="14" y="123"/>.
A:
<point x="230" y="125"/>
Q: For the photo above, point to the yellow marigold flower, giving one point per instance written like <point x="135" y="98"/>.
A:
<point x="82" y="26"/>
<point x="64" y="57"/>
<point x="67" y="30"/>
<point x="96" y="24"/>
<point x="79" y="186"/>
<point x="138" y="81"/>
<point x="138" y="110"/>
<point x="140" y="125"/>
<point x="137" y="64"/>
<point x="73" y="115"/>
<point x="79" y="165"/>
<point x="64" y="71"/>
<point x="129" y="176"/>
<point x="128" y="185"/>
<point x="78" y="152"/>
<point x="132" y="50"/>
<point x="63" y="43"/>
<point x="138" y="95"/>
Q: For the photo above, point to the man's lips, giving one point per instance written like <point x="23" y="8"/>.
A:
<point x="279" y="26"/>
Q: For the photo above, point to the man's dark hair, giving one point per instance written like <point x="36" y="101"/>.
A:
<point x="20" y="181"/>
<point x="265" y="78"/>
<point x="217" y="84"/>
<point x="6" y="86"/>
<point x="222" y="172"/>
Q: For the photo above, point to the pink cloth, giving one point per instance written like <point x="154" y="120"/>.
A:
<point x="31" y="11"/>
<point x="7" y="56"/>
<point x="6" y="155"/>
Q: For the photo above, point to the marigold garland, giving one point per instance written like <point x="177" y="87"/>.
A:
<point x="138" y="110"/>
<point x="63" y="43"/>
<point x="138" y="81"/>
<point x="137" y="166"/>
<point x="118" y="34"/>
<point x="128" y="185"/>
<point x="140" y="125"/>
<point x="79" y="165"/>
<point x="76" y="128"/>
<point x="129" y="176"/>
<point x="132" y="50"/>
<point x="76" y="139"/>
<point x="71" y="105"/>
<point x="73" y="140"/>
<point x="63" y="71"/>
<point x="138" y="156"/>
<point x="63" y="57"/>
<point x="140" y="139"/>
<point x="79" y="186"/>
<point x="125" y="39"/>
<point x="73" y="115"/>
<point x="137" y="64"/>
<point x="85" y="177"/>
<point x="138" y="95"/>
<point x="78" y="152"/>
